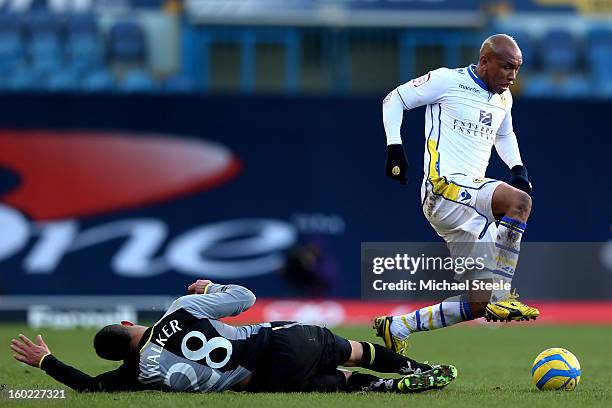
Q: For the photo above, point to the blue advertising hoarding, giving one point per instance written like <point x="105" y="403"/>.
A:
<point x="108" y="194"/>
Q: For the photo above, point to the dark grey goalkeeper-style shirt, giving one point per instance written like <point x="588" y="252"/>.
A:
<point x="188" y="349"/>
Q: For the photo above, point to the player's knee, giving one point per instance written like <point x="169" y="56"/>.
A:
<point x="521" y="206"/>
<point x="356" y="354"/>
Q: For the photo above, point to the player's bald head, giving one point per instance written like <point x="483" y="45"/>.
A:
<point x="499" y="62"/>
<point x="499" y="45"/>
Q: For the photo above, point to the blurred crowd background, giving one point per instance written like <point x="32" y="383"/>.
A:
<point x="294" y="46"/>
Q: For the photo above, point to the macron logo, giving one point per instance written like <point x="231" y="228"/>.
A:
<point x="469" y="88"/>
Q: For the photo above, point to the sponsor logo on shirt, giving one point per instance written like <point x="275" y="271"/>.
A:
<point x="469" y="88"/>
<point x="421" y="80"/>
<point x="504" y="101"/>
<point x="486" y="118"/>
<point x="474" y="129"/>
<point x="465" y="195"/>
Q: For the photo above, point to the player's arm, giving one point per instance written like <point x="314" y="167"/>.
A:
<point x="38" y="355"/>
<point x="213" y="301"/>
<point x="420" y="91"/>
<point x="507" y="147"/>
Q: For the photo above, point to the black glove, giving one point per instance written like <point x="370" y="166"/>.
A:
<point x="520" y="179"/>
<point x="396" y="165"/>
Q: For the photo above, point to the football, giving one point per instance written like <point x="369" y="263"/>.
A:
<point x="556" y="369"/>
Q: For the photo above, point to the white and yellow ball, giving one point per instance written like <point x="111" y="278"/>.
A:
<point x="556" y="369"/>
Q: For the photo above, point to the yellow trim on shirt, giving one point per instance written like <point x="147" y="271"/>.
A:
<point x="445" y="189"/>
<point x="148" y="340"/>
<point x="41" y="359"/>
<point x="440" y="185"/>
<point x="434" y="158"/>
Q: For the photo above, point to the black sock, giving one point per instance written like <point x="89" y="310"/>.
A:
<point x="381" y="359"/>
<point x="368" y="382"/>
<point x="328" y="382"/>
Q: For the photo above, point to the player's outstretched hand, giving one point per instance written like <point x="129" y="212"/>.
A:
<point x="520" y="179"/>
<point x="198" y="287"/>
<point x="27" y="351"/>
<point x="396" y="165"/>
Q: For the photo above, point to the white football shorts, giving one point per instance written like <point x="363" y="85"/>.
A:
<point x="459" y="208"/>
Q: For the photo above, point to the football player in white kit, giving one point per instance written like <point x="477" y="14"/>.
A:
<point x="468" y="112"/>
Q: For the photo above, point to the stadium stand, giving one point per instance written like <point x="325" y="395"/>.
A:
<point x="559" y="51"/>
<point x="90" y="51"/>
<point x="84" y="45"/>
<point x="11" y="44"/>
<point x="99" y="80"/>
<point x="137" y="80"/>
<point x="179" y="84"/>
<point x="126" y="43"/>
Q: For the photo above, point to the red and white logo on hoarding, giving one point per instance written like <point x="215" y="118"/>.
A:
<point x="71" y="174"/>
<point x="60" y="177"/>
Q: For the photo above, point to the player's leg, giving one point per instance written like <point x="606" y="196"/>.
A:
<point x="456" y="309"/>
<point x="350" y="353"/>
<point x="347" y="381"/>
<point x="466" y="227"/>
<point x="298" y="353"/>
<point x="376" y="357"/>
<point x="437" y="377"/>
<point x="420" y="376"/>
<point x="395" y="330"/>
<point x="512" y="207"/>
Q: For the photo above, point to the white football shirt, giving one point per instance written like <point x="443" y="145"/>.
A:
<point x="463" y="120"/>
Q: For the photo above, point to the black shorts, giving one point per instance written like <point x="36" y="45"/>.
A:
<point x="296" y="355"/>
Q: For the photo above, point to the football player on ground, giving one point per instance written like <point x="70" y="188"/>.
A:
<point x="190" y="349"/>
<point x="468" y="112"/>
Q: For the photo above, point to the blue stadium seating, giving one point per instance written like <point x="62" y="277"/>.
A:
<point x="528" y="48"/>
<point x="10" y="23"/>
<point x="84" y="54"/>
<point x="62" y="81"/>
<point x="559" y="51"/>
<point x="599" y="54"/>
<point x="45" y="57"/>
<point x="126" y="43"/>
<point x="11" y="52"/>
<point x="179" y="84"/>
<point x="42" y="25"/>
<point x="100" y="80"/>
<point x="23" y="79"/>
<point x="11" y="43"/>
<point x="81" y="25"/>
<point x="67" y="52"/>
<point x="538" y="86"/>
<point x="604" y="89"/>
<point x="38" y="5"/>
<point x="137" y="80"/>
<point x="574" y="86"/>
<point x="45" y="51"/>
<point x="84" y="47"/>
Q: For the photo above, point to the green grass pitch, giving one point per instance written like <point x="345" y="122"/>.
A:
<point x="494" y="364"/>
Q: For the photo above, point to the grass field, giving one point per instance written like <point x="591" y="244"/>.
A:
<point x="494" y="365"/>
